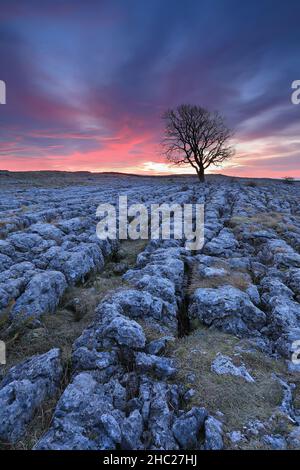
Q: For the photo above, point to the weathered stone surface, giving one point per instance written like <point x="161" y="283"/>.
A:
<point x="294" y="439"/>
<point x="213" y="434"/>
<point x="155" y="285"/>
<point x="24" y="389"/>
<point x="223" y="244"/>
<point x="41" y="296"/>
<point x="125" y="332"/>
<point x="73" y="225"/>
<point x="283" y="313"/>
<point x="160" y="366"/>
<point x="158" y="345"/>
<point x="76" y="422"/>
<point x="7" y="249"/>
<point x="25" y="241"/>
<point x="186" y="428"/>
<point x="227" y="308"/>
<point x="76" y="262"/>
<point x="124" y="392"/>
<point x="138" y="304"/>
<point x="90" y="359"/>
<point x="47" y="231"/>
<point x="275" y="442"/>
<point x="132" y="429"/>
<point x="159" y="400"/>
<point x="224" y="365"/>
<point x="294" y="282"/>
<point x="236" y="436"/>
<point x="287" y="404"/>
<point x="5" y="262"/>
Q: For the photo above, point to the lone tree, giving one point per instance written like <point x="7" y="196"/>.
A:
<point x="195" y="136"/>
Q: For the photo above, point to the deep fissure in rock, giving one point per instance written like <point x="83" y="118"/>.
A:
<point x="183" y="322"/>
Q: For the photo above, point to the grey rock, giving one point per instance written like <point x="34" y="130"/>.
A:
<point x="5" y="262"/>
<point x="7" y="249"/>
<point x="47" y="231"/>
<point x="235" y="436"/>
<point x="210" y="271"/>
<point x="19" y="270"/>
<point x="159" y="400"/>
<point x="213" y="434"/>
<point x="4" y="298"/>
<point x="223" y="244"/>
<point x="286" y="405"/>
<point x="137" y="304"/>
<point x="160" y="366"/>
<point x="157" y="346"/>
<point x="78" y="422"/>
<point x="132" y="429"/>
<point x="86" y="359"/>
<point x="163" y="263"/>
<point x="255" y="428"/>
<point x="41" y="296"/>
<point x="25" y="242"/>
<point x="77" y="262"/>
<point x="253" y="293"/>
<point x="24" y="389"/>
<point x="111" y="427"/>
<point x="253" y="345"/>
<point x="273" y="287"/>
<point x="189" y="394"/>
<point x="75" y="224"/>
<point x="125" y="332"/>
<point x="294" y="281"/>
<point x="224" y="365"/>
<point x="155" y="285"/>
<point x="227" y="308"/>
<point x="186" y="428"/>
<point x="275" y="442"/>
<point x="293" y="439"/>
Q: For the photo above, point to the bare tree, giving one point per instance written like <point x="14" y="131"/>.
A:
<point x="195" y="136"/>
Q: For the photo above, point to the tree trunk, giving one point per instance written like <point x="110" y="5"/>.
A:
<point x="201" y="175"/>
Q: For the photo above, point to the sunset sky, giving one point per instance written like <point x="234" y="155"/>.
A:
<point x="87" y="81"/>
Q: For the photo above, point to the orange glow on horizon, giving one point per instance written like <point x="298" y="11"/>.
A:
<point x="138" y="154"/>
